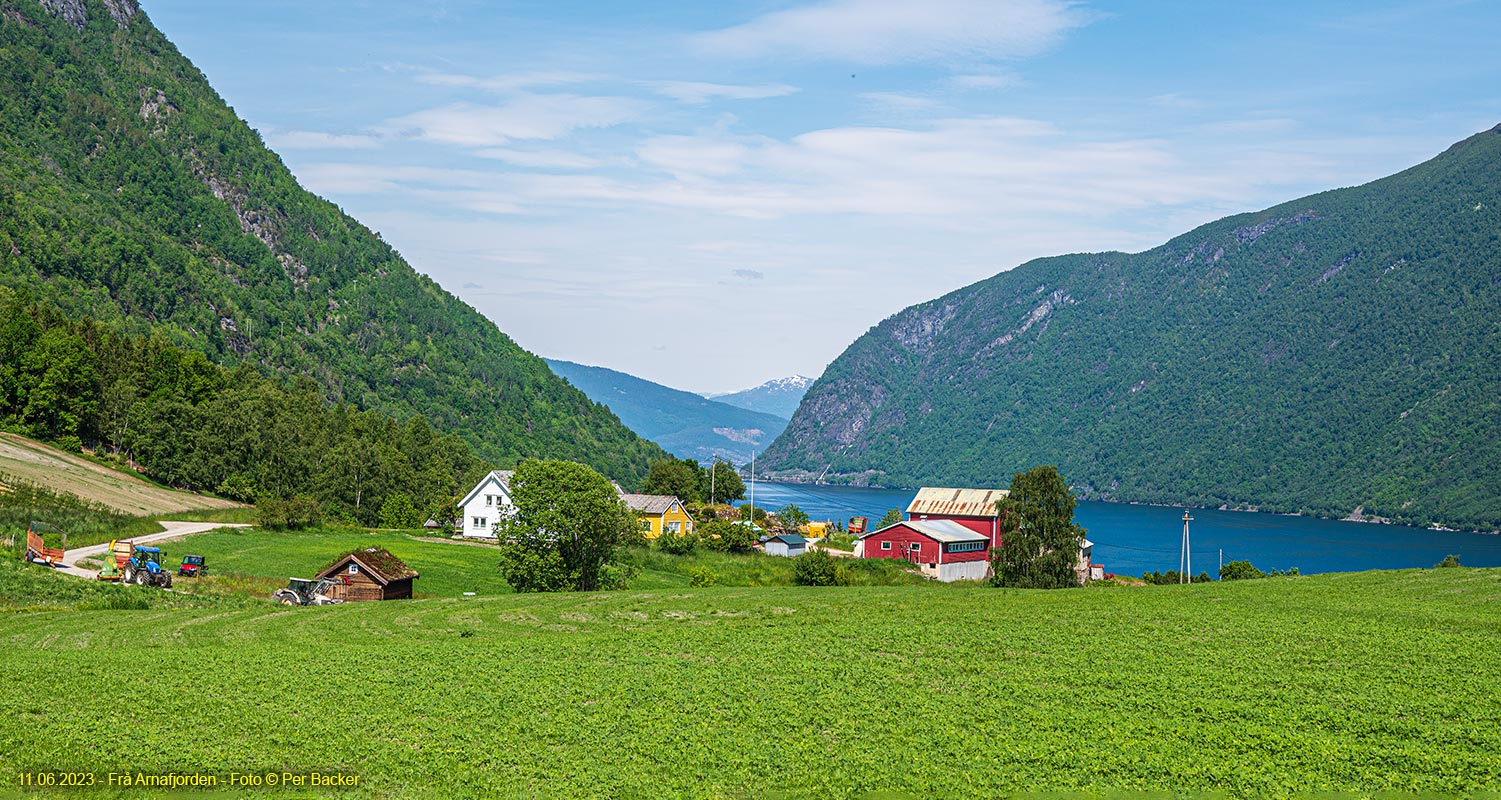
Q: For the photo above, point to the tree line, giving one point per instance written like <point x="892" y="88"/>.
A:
<point x="183" y="421"/>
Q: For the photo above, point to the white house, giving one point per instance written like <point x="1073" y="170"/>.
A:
<point x="486" y="505"/>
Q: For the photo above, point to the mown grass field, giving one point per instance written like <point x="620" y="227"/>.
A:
<point x="1355" y="684"/>
<point x="47" y="466"/>
<point x="449" y="569"/>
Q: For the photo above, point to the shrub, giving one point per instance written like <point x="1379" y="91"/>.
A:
<point x="701" y="577"/>
<point x="1450" y="560"/>
<point x="1240" y="571"/>
<point x="678" y="544"/>
<point x="817" y="568"/>
<point x="721" y="535"/>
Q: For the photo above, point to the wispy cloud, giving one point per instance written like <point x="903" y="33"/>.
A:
<point x="525" y="116"/>
<point x="749" y="274"/>
<point x="697" y="93"/>
<point x="541" y="159"/>
<point x="893" y="31"/>
<point x="900" y="102"/>
<point x="316" y="140"/>
<point x="506" y="83"/>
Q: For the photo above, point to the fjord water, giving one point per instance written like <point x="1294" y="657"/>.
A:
<point x="1132" y="539"/>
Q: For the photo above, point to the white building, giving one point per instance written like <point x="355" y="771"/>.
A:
<point x="486" y="505"/>
<point x="789" y="545"/>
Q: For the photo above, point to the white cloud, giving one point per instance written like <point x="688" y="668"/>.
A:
<point x="541" y="159"/>
<point x="893" y="31"/>
<point x="696" y="93"/>
<point x="526" y="116"/>
<point x="316" y="140"/>
<point x="506" y="83"/>
<point x="900" y="102"/>
<point x="986" y="80"/>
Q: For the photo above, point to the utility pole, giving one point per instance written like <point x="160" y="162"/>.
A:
<point x="712" y="464"/>
<point x="1222" y="562"/>
<point x="1185" y="560"/>
<point x="753" y="489"/>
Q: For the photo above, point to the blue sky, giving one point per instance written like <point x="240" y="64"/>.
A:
<point x="710" y="195"/>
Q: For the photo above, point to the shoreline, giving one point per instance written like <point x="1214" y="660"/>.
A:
<point x="1354" y="516"/>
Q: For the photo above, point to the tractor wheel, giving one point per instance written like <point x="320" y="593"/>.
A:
<point x="130" y="576"/>
<point x="166" y="580"/>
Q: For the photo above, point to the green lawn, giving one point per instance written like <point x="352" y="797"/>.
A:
<point x="1353" y="683"/>
<point x="447" y="569"/>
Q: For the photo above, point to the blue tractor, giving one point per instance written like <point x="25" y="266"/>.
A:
<point x="145" y="568"/>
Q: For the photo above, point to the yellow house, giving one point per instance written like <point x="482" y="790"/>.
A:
<point x="658" y="513"/>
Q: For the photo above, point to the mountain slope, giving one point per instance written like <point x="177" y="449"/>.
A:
<point x="131" y="193"/>
<point x="777" y="397"/>
<point x="683" y="423"/>
<point x="1335" y="353"/>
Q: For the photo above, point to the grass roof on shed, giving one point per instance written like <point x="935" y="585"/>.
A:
<point x="377" y="559"/>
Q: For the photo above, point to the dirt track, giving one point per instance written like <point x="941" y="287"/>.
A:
<point x="173" y="530"/>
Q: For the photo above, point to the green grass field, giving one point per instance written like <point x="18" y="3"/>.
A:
<point x="1354" y="684"/>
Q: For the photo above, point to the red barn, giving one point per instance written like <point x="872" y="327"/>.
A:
<point x="944" y="548"/>
<point x="975" y="509"/>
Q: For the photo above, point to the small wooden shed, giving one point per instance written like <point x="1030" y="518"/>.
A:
<point x="786" y="544"/>
<point x="370" y="573"/>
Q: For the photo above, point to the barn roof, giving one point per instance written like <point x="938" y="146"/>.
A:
<point x="377" y="562"/>
<point x="939" y="530"/>
<point x="956" y="502"/>
<point x="649" y="503"/>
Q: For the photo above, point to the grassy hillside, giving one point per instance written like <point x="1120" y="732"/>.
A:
<point x="683" y="423"/>
<point x="129" y="192"/>
<point x="41" y="465"/>
<point x="1338" y="352"/>
<point x="1356" y="683"/>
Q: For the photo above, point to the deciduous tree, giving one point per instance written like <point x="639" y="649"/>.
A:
<point x="1040" y="542"/>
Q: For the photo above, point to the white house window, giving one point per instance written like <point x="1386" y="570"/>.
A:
<point x="480" y="522"/>
<point x="354" y="569"/>
<point x="885" y="545"/>
<point x="489" y="499"/>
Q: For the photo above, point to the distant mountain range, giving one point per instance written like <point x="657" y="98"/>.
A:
<point x="1339" y="354"/>
<point x="131" y="193"/>
<point x="684" y="424"/>
<point x="779" y="397"/>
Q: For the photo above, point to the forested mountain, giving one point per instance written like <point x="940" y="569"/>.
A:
<point x="683" y="423"/>
<point x="777" y="397"/>
<point x="129" y="192"/>
<point x="1337" y="353"/>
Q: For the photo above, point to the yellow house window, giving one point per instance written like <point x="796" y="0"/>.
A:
<point x="646" y="526"/>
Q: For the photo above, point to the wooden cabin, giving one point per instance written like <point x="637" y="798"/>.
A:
<point x="370" y="573"/>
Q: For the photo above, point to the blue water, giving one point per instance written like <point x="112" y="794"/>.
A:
<point x="1135" y="539"/>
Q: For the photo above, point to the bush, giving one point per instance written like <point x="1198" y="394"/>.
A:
<point x="678" y="544"/>
<point x="1240" y="571"/>
<point x="701" y="577"/>
<point x="817" y="568"/>
<point x="721" y="535"/>
<point x="1450" y="560"/>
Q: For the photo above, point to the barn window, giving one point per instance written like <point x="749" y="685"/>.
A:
<point x="885" y="545"/>
<point x="354" y="569"/>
